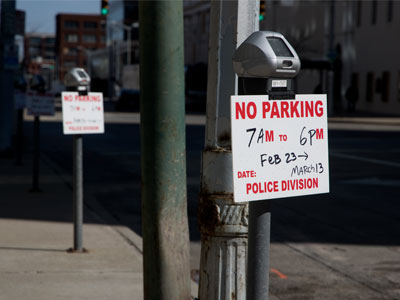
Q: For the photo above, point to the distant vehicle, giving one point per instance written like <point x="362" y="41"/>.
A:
<point x="128" y="100"/>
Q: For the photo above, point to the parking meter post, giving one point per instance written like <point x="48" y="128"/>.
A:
<point x="77" y="192"/>
<point x="19" y="145"/>
<point x="36" y="155"/>
<point x="259" y="221"/>
<point x="166" y="258"/>
<point x="223" y="223"/>
<point x="258" y="250"/>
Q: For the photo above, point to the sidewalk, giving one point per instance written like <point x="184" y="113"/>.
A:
<point x="35" y="232"/>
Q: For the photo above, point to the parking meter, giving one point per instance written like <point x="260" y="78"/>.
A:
<point x="266" y="64"/>
<point x="77" y="80"/>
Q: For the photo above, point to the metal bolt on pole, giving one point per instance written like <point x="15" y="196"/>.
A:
<point x="223" y="224"/>
<point x="77" y="192"/>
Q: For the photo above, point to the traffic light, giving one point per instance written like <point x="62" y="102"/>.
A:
<point x="262" y="10"/>
<point x="105" y="8"/>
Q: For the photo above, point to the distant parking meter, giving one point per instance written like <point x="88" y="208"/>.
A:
<point x="266" y="64"/>
<point x="77" y="80"/>
<point x="82" y="114"/>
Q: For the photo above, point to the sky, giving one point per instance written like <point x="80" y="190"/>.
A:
<point x="41" y="14"/>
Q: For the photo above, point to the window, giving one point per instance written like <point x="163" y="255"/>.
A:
<point x="71" y="24"/>
<point x="370" y="87"/>
<point x="50" y="41"/>
<point x="34" y="51"/>
<point x="89" y="38"/>
<point x="359" y="12"/>
<point x="69" y="64"/>
<point x="374" y="6"/>
<point x="90" y="25"/>
<point x="35" y="41"/>
<point x="385" y="86"/>
<point x="71" y="38"/>
<point x="71" y="51"/>
<point x="390" y="11"/>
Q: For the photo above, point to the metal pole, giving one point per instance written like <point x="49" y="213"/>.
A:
<point x="162" y="104"/>
<point x="110" y="71"/>
<point x="77" y="192"/>
<point x="128" y="52"/>
<point x="8" y="63"/>
<point x="18" y="154"/>
<point x="258" y="251"/>
<point x="223" y="224"/>
<point x="36" y="155"/>
<point x="110" y="62"/>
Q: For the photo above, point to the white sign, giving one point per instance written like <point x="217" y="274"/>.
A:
<point x="279" y="147"/>
<point x="19" y="99"/>
<point x="40" y="104"/>
<point x="82" y="114"/>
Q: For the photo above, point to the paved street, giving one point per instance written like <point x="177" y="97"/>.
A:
<point x="342" y="245"/>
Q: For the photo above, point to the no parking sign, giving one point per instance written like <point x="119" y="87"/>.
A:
<point x="279" y="147"/>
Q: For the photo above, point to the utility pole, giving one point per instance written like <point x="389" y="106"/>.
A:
<point x="8" y="63"/>
<point x="163" y="159"/>
<point x="223" y="224"/>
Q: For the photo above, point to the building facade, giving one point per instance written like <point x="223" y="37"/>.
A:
<point x="360" y="35"/>
<point x="76" y="36"/>
<point x="39" y="52"/>
<point x="358" y="40"/>
<point x="196" y="31"/>
<point x="123" y="12"/>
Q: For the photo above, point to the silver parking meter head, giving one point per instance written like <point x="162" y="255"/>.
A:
<point x="77" y="80"/>
<point x="266" y="56"/>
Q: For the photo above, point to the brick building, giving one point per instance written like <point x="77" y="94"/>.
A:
<point x="75" y="35"/>
<point x="39" y="52"/>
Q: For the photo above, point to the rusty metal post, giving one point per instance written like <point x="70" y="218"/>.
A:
<point x="223" y="224"/>
<point x="163" y="159"/>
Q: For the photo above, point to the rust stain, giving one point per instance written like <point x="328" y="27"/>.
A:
<point x="209" y="216"/>
<point x="225" y="137"/>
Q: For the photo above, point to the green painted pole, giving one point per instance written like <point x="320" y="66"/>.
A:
<point x="163" y="159"/>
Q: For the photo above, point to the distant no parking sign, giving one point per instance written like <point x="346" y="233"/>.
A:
<point x="82" y="114"/>
<point x="279" y="147"/>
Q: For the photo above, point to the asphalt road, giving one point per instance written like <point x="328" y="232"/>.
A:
<point x="352" y="232"/>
